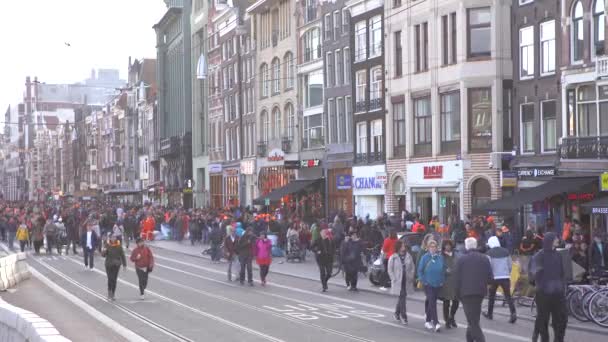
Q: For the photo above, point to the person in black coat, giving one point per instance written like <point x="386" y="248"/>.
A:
<point x="324" y="250"/>
<point x="244" y="249"/>
<point x="350" y="256"/>
<point x="472" y="275"/>
<point x="598" y="255"/>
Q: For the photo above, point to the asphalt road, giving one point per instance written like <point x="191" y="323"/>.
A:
<point x="189" y="299"/>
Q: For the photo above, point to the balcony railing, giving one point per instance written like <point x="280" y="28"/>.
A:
<point x="360" y="158"/>
<point x="360" y="106"/>
<point x="377" y="156"/>
<point x="584" y="148"/>
<point x="375" y="104"/>
<point x="601" y="66"/>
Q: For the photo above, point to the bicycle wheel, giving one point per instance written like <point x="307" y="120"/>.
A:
<point x="586" y="300"/>
<point x="575" y="305"/>
<point x="598" y="308"/>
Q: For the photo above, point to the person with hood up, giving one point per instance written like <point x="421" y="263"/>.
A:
<point x="115" y="257"/>
<point x="431" y="275"/>
<point x="547" y="273"/>
<point x="401" y="271"/>
<point x="324" y="249"/>
<point x="263" y="255"/>
<point x="501" y="263"/>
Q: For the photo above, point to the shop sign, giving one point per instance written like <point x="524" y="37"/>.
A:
<point x="381" y="177"/>
<point x="276" y="154"/>
<point x="433" y="172"/>
<point x="291" y="165"/>
<point x="604" y="181"/>
<point x="599" y="210"/>
<point x="367" y="183"/>
<point x="306" y="163"/>
<point x="368" y="180"/>
<point x="536" y="172"/>
<point x="248" y="167"/>
<point x="215" y="168"/>
<point x="344" y="182"/>
<point x="508" y="179"/>
<point x="443" y="202"/>
<point x="581" y="197"/>
<point x="231" y="172"/>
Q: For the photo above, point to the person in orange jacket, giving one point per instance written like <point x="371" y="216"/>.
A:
<point x="147" y="231"/>
<point x="418" y="227"/>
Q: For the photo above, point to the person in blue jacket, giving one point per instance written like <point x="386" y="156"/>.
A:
<point x="431" y="272"/>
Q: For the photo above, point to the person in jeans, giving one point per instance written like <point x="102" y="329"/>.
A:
<point x="401" y="272"/>
<point x="431" y="273"/>
<point x="230" y="243"/>
<point x="501" y="269"/>
<point x="115" y="256"/>
<point x="547" y="273"/>
<point x="472" y="275"/>
<point x="144" y="263"/>
<point x="324" y="249"/>
<point x="244" y="249"/>
<point x="89" y="241"/>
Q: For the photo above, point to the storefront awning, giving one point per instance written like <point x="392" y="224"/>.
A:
<point x="597" y="206"/>
<point x="553" y="187"/>
<point x="291" y="188"/>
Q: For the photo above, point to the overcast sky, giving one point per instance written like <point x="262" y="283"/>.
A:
<point x="102" y="34"/>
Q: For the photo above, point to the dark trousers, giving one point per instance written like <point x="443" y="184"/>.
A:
<point x="37" y="245"/>
<point x="385" y="280"/>
<point x="112" y="272"/>
<point x="505" y="285"/>
<point x="246" y="263"/>
<point x="551" y="306"/>
<point x="431" y="305"/>
<point x="472" y="311"/>
<point x="74" y="242"/>
<point x="401" y="307"/>
<point x="89" y="255"/>
<point x="142" y="276"/>
<point x="325" y="269"/>
<point x="264" y="272"/>
<point x="449" y="309"/>
<point x="50" y="242"/>
<point x="351" y="278"/>
<point x="215" y="252"/>
<point x="22" y="244"/>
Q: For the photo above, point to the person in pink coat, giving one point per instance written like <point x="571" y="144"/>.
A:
<point x="263" y="255"/>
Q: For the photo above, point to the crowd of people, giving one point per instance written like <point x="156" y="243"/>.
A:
<point x="458" y="263"/>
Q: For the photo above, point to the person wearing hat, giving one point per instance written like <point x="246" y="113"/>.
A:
<point x="144" y="263"/>
<point x="115" y="257"/>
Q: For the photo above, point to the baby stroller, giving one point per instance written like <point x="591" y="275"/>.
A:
<point x="295" y="250"/>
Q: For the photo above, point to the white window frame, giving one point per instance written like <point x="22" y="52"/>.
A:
<point x="549" y="42"/>
<point x="338" y="60"/>
<point x="346" y="64"/>
<point x="375" y="26"/>
<point x="337" y="24"/>
<point x="328" y="28"/>
<point x="289" y="70"/>
<point x="330" y="71"/>
<point x="345" y="20"/>
<point x="526" y="49"/>
<point x="265" y="81"/>
<point x="360" y="38"/>
<point x="348" y="118"/>
<point x="542" y="127"/>
<point x="376" y="133"/>
<point x="277" y="122"/>
<point x="595" y="13"/>
<point x="340" y="111"/>
<point x="521" y="128"/>
<point x="331" y="122"/>
<point x="375" y="83"/>
<point x="572" y="33"/>
<point x="276" y="76"/>
<point x="361" y="148"/>
<point x="360" y="88"/>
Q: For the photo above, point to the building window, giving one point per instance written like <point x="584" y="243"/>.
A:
<point x="480" y="107"/>
<point x="328" y="27"/>
<point x="479" y="32"/>
<point x="526" y="52"/>
<point x="339" y="68"/>
<point x="329" y="64"/>
<point x="313" y="88"/>
<point x="264" y="82"/>
<point x="341" y="122"/>
<point x="549" y="133"/>
<point x="361" y="138"/>
<point x="422" y="47"/>
<point x="396" y="3"/>
<point x="450" y="122"/>
<point x="547" y="47"/>
<point x="481" y="192"/>
<point x="375" y="94"/>
<point x="578" y="32"/>
<point x="398" y="55"/>
<point x="587" y="111"/>
<point x="599" y="27"/>
<point x="291" y="120"/>
<point x="348" y="105"/>
<point x="337" y="24"/>
<point x="313" y="131"/>
<point x="265" y="126"/>
<point x="527" y="128"/>
<point x="360" y="41"/>
<point x="453" y="31"/>
<point x="289" y="66"/>
<point x="277" y="123"/>
<point x="375" y="37"/>
<point x="346" y="55"/>
<point x="312" y="45"/>
<point x="377" y="141"/>
<point x="332" y="123"/>
<point x="399" y="129"/>
<point x="345" y="20"/>
<point x="445" y="50"/>
<point x="276" y="76"/>
<point x="360" y="90"/>
<point x="423" y="126"/>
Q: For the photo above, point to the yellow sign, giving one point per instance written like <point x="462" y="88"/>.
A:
<point x="604" y="181"/>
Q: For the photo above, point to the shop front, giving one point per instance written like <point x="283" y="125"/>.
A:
<point x="368" y="184"/>
<point x="216" y="186"/>
<point x="231" y="187"/>
<point x="340" y="191"/>
<point x="543" y="211"/>
<point x="435" y="188"/>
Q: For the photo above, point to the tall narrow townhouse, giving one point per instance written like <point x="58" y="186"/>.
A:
<point x="274" y="32"/>
<point x="367" y="75"/>
<point x="337" y="100"/>
<point x="448" y="69"/>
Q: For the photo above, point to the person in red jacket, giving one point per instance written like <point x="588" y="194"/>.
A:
<point x="388" y="249"/>
<point x="144" y="263"/>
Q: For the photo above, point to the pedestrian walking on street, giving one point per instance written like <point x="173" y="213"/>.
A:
<point x="263" y="255"/>
<point x="230" y="243"/>
<point x="38" y="234"/>
<point x="472" y="275"/>
<point x="12" y="231"/>
<point x="350" y="256"/>
<point x="23" y="236"/>
<point x="431" y="275"/>
<point x="388" y="248"/>
<point x="324" y="249"/>
<point x="448" y="291"/>
<point x="50" y="232"/>
<point x="144" y="263"/>
<point x="401" y="271"/>
<point x="501" y="263"/>
<point x="115" y="257"/>
<point x="62" y="235"/>
<point x="547" y="273"/>
<point x="89" y="241"/>
<point x="244" y="249"/>
<point x="216" y="241"/>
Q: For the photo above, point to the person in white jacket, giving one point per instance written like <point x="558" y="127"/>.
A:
<point x="401" y="271"/>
